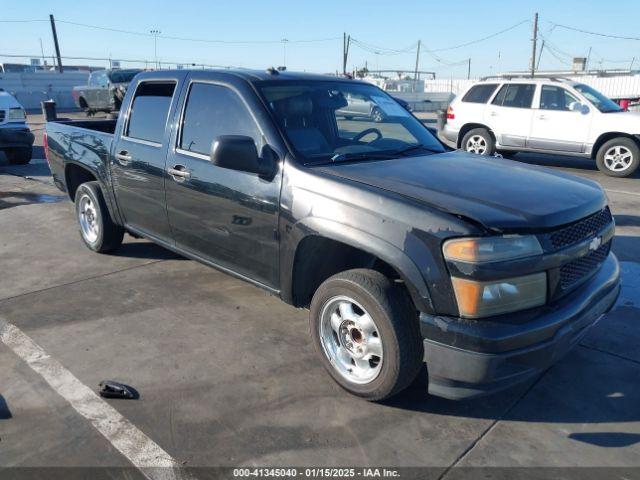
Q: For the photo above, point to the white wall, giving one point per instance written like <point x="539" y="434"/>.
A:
<point x="32" y="88"/>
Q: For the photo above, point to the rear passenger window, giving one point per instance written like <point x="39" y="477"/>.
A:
<point x="480" y="93"/>
<point x="211" y="111"/>
<point x="516" y="95"/>
<point x="149" y="111"/>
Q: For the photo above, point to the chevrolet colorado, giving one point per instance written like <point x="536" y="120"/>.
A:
<point x="403" y="252"/>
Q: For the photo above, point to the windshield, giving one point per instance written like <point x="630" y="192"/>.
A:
<point x="602" y="103"/>
<point x="123" y="76"/>
<point x="331" y="121"/>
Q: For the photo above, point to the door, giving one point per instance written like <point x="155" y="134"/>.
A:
<point x="226" y="216"/>
<point x="557" y="127"/>
<point x="102" y="90"/>
<point x="138" y="166"/>
<point x="509" y="114"/>
<point x="91" y="91"/>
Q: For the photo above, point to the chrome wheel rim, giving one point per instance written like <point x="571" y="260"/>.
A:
<point x="351" y="340"/>
<point x="377" y="115"/>
<point x="88" y="217"/>
<point x="477" y="144"/>
<point x="618" y="158"/>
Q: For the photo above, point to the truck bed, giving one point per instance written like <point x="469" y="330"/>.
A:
<point x="86" y="143"/>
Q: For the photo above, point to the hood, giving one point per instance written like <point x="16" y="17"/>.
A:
<point x="8" y="101"/>
<point x="625" y="121"/>
<point x="498" y="193"/>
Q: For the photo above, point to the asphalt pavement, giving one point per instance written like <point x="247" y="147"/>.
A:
<point x="227" y="375"/>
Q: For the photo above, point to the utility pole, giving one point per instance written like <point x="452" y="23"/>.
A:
<point x="534" y="41"/>
<point x="415" y="73"/>
<point x="469" y="70"/>
<point x="155" y="34"/>
<point x="346" y="41"/>
<point x="55" y="42"/>
<point x="586" y="65"/>
<point x="540" y="55"/>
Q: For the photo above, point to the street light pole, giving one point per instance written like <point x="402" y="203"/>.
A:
<point x="155" y="34"/>
<point x="284" y="51"/>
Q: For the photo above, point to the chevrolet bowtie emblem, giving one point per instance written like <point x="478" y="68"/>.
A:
<point x="595" y="243"/>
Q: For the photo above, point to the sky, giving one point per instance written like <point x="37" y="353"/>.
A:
<point x="314" y="30"/>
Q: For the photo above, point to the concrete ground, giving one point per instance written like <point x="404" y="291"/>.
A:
<point x="227" y="375"/>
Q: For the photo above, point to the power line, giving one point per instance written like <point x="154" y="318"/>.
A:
<point x="619" y="37"/>
<point x="472" y="42"/>
<point x="201" y="40"/>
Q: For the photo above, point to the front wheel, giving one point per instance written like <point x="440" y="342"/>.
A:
<point x="377" y="115"/>
<point x="97" y="230"/>
<point x="618" y="157"/>
<point x="478" y="141"/>
<point x="365" y="331"/>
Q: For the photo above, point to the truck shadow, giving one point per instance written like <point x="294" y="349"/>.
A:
<point x="145" y="250"/>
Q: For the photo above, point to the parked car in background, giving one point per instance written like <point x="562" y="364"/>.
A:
<point x="403" y="252"/>
<point x="545" y="115"/>
<point x="360" y="107"/>
<point x="105" y="90"/>
<point x="16" y="140"/>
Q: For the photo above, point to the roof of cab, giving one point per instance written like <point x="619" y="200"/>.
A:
<point x="254" y="75"/>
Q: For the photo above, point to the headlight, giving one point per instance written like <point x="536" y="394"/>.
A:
<point x="483" y="299"/>
<point x="16" y="114"/>
<point x="491" y="249"/>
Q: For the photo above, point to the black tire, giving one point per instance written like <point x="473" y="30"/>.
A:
<point x="108" y="235"/>
<point x="19" y="155"/>
<point x="485" y="141"/>
<point x="625" y="145"/>
<point x="396" y="323"/>
<point x="377" y="115"/>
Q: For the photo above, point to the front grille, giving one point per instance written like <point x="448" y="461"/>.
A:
<point x="581" y="230"/>
<point x="2" y="115"/>
<point x="574" y="271"/>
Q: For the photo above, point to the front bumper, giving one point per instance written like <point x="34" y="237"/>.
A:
<point x="468" y="358"/>
<point x="15" y="137"/>
<point x="450" y="133"/>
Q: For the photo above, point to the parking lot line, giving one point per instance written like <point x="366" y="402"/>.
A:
<point x="622" y="191"/>
<point x="138" y="448"/>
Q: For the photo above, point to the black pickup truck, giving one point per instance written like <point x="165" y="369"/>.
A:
<point x="404" y="252"/>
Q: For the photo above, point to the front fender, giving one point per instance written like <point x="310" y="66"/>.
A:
<point x="357" y="238"/>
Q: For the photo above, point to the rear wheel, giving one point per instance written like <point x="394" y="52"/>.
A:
<point x="97" y="230"/>
<point x="618" y="157"/>
<point x="365" y="331"/>
<point x="19" y="156"/>
<point x="478" y="141"/>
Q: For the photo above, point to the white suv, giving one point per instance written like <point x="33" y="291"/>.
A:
<point x="547" y="115"/>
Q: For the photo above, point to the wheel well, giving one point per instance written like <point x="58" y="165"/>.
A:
<point x="605" y="137"/>
<point x="76" y="175"/>
<point x="318" y="258"/>
<point x="470" y="126"/>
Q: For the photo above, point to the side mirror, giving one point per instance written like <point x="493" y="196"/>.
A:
<point x="579" y="107"/>
<point x="239" y="152"/>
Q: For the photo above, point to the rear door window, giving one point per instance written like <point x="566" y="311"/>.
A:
<point x="515" y="95"/>
<point x="480" y="93"/>
<point x="149" y="111"/>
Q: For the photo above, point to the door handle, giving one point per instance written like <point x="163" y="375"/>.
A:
<point x="123" y="157"/>
<point x="542" y="117"/>
<point x="179" y="173"/>
<point x="493" y="114"/>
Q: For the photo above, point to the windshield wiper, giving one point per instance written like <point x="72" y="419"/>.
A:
<point x="348" y="156"/>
